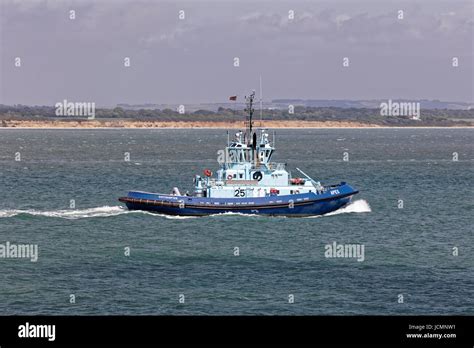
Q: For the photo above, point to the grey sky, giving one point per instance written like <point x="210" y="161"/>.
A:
<point x="191" y="60"/>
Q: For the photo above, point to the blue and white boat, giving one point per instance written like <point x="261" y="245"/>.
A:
<point x="247" y="183"/>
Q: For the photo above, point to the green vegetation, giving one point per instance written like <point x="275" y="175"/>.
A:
<point x="429" y="117"/>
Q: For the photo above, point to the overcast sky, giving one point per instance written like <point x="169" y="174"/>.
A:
<point x="191" y="60"/>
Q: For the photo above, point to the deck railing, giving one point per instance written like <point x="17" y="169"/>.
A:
<point x="271" y="165"/>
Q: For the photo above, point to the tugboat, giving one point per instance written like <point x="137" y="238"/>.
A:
<point x="247" y="183"/>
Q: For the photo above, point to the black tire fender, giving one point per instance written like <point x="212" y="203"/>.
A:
<point x="257" y="176"/>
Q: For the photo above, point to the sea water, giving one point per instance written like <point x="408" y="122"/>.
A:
<point x="413" y="217"/>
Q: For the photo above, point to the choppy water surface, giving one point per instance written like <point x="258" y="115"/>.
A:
<point x="408" y="251"/>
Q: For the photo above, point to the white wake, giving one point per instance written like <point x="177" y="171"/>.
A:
<point x="74" y="214"/>
<point x="359" y="206"/>
<point x="68" y="213"/>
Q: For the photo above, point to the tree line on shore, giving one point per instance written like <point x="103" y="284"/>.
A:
<point x="428" y="117"/>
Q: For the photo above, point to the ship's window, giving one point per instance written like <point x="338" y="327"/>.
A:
<point x="234" y="176"/>
<point x="233" y="156"/>
<point x="247" y="155"/>
<point x="241" y="175"/>
<point x="310" y="191"/>
<point x="291" y="192"/>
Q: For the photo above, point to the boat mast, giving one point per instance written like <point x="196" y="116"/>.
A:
<point x="261" y="101"/>
<point x="251" y="138"/>
<point x="249" y="122"/>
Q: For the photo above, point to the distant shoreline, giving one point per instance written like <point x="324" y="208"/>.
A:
<point x="100" y="124"/>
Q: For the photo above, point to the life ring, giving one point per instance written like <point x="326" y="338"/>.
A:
<point x="257" y="176"/>
<point x="207" y="172"/>
<point x="229" y="177"/>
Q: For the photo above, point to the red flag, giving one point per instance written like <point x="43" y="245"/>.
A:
<point x="234" y="98"/>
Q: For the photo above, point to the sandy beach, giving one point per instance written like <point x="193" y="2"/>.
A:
<point x="86" y="124"/>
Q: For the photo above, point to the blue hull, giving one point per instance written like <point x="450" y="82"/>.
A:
<point x="306" y="204"/>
